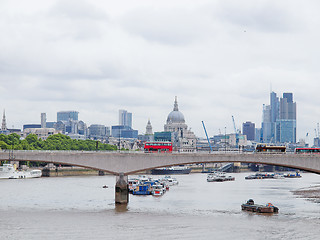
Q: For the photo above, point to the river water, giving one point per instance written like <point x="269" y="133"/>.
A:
<point x="79" y="208"/>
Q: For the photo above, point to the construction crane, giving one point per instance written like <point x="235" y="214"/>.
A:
<point x="236" y="132"/>
<point x="207" y="136"/>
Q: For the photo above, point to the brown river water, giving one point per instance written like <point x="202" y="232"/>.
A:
<point x="79" y="208"/>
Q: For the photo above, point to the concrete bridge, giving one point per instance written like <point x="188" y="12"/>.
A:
<point x="126" y="163"/>
<point x="133" y="162"/>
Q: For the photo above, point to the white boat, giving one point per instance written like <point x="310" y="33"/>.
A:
<point x="219" y="177"/>
<point x="170" y="180"/>
<point x="157" y="190"/>
<point x="8" y="171"/>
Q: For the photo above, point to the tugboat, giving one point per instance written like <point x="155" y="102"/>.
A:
<point x="251" y="207"/>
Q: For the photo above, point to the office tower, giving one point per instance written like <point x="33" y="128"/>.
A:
<point x="286" y="124"/>
<point x="67" y="115"/>
<point x="279" y="119"/>
<point x="248" y="129"/>
<point x="125" y="118"/>
<point x="43" y="120"/>
<point x="266" y="124"/>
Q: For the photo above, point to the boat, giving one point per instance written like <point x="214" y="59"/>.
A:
<point x="292" y="175"/>
<point x="170" y="181"/>
<point x="132" y="184"/>
<point x="219" y="177"/>
<point x="171" y="170"/>
<point x="8" y="171"/>
<point x="142" y="189"/>
<point x="157" y="190"/>
<point x="260" y="176"/>
<point x="251" y="207"/>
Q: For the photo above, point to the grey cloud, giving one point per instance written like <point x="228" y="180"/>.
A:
<point x="169" y="26"/>
<point x="265" y="16"/>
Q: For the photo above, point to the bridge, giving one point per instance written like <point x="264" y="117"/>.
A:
<point x="133" y="162"/>
<point x="127" y="163"/>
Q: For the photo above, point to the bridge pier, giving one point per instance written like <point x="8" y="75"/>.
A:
<point x="122" y="189"/>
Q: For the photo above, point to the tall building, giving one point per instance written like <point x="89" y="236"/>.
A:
<point x="248" y="129"/>
<point x="43" y="120"/>
<point x="4" y="122"/>
<point x="125" y="118"/>
<point x="266" y="124"/>
<point x="279" y="119"/>
<point x="67" y="115"/>
<point x="286" y="124"/>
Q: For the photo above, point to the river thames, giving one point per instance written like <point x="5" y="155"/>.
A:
<point x="79" y="208"/>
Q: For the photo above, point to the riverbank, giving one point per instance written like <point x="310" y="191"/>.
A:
<point x="311" y="193"/>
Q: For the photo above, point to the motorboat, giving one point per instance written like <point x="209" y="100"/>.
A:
<point x="8" y="171"/>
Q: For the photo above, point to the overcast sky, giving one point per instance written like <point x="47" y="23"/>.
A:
<point x="220" y="58"/>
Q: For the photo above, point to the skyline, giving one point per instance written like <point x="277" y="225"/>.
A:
<point x="220" y="58"/>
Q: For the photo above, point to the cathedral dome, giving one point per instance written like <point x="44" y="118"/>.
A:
<point x="175" y="116"/>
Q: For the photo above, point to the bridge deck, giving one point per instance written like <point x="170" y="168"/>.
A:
<point x="131" y="162"/>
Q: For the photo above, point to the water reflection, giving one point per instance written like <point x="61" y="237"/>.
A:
<point x="121" y="208"/>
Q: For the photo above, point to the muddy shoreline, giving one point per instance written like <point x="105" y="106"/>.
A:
<point x="310" y="193"/>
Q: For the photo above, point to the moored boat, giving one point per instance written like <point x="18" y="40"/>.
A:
<point x="292" y="175"/>
<point x="251" y="207"/>
<point x="219" y="177"/>
<point x="171" y="170"/>
<point x="8" y="171"/>
<point x="157" y="190"/>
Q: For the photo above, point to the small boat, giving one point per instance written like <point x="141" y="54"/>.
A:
<point x="292" y="175"/>
<point x="157" y="190"/>
<point x="219" y="177"/>
<point x="170" y="180"/>
<point x="142" y="189"/>
<point x="260" y="176"/>
<point x="8" y="171"/>
<point x="251" y="207"/>
<point x="132" y="184"/>
<point x="104" y="186"/>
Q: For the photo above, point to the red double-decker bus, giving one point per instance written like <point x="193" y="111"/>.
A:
<point x="307" y="150"/>
<point x="158" y="147"/>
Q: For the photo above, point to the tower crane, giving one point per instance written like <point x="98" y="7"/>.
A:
<point x="207" y="136"/>
<point x="236" y="132"/>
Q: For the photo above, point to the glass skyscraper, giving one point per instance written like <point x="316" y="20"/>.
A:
<point x="279" y="119"/>
<point x="125" y="118"/>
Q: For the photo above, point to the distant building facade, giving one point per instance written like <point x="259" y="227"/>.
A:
<point x="248" y="129"/>
<point x="98" y="131"/>
<point x="121" y="131"/>
<point x="67" y="115"/>
<point x="42" y="133"/>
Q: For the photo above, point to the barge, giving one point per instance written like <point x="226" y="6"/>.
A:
<point x="251" y="207"/>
